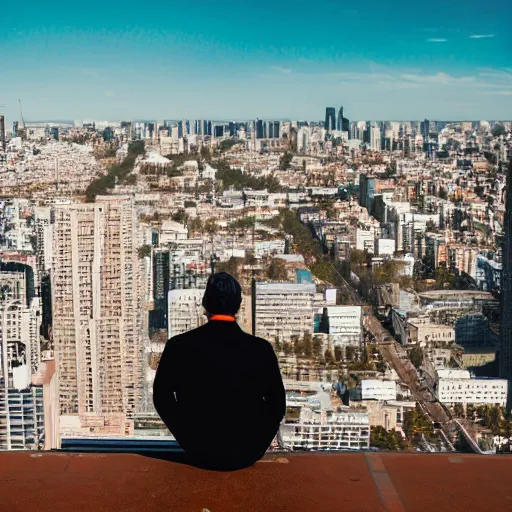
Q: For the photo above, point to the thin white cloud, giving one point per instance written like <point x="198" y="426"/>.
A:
<point x="502" y="93"/>
<point x="110" y="94"/>
<point x="438" y="78"/>
<point x="497" y="78"/>
<point x="285" y="71"/>
<point x="437" y="40"/>
<point x="481" y="36"/>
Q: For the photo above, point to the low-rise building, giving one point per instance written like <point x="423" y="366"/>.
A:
<point x="457" y="386"/>
<point x="374" y="389"/>
<point x="343" y="324"/>
<point x="326" y="430"/>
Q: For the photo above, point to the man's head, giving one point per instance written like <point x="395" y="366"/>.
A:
<point x="223" y="295"/>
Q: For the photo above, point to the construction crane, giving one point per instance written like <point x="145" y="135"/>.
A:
<point x="21" y="116"/>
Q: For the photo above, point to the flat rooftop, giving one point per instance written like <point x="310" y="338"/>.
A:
<point x="298" y="482"/>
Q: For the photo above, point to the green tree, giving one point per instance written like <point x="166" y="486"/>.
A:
<point x="416" y="356"/>
<point x="298" y="347"/>
<point x="329" y="357"/>
<point x="195" y="225"/>
<point x="458" y="409"/>
<point x="350" y="353"/>
<point x="416" y="423"/>
<point x="498" y="130"/>
<point x="285" y="161"/>
<point x="180" y="216"/>
<point x="317" y="346"/>
<point x="144" y="251"/>
<point x="276" y="271"/>
<point x="307" y="342"/>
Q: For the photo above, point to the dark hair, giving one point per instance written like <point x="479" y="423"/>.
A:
<point x="223" y="294"/>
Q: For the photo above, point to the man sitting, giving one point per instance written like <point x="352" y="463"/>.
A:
<point x="218" y="389"/>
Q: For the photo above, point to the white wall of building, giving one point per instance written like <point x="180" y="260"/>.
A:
<point x="373" y="389"/>
<point x="344" y="324"/>
<point x="472" y="391"/>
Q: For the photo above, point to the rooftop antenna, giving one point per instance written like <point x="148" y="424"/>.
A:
<point x="21" y="115"/>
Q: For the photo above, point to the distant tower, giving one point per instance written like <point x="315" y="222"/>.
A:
<point x="506" y="288"/>
<point x="330" y="119"/>
<point x="339" y="124"/>
<point x="2" y="132"/>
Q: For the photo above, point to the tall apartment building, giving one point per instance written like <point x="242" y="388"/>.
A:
<point x="43" y="232"/>
<point x="282" y="310"/>
<point x="506" y="288"/>
<point x="97" y="314"/>
<point x="22" y="419"/>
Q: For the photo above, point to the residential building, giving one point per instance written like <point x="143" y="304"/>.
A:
<point x="343" y="324"/>
<point x="456" y="386"/>
<point x="326" y="430"/>
<point x="282" y="310"/>
<point x="374" y="389"/>
<point x="185" y="310"/>
<point x="97" y="311"/>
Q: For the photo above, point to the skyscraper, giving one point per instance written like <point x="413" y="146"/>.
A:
<point x="259" y="129"/>
<point x="277" y="129"/>
<point x="2" y="132"/>
<point x="506" y="287"/>
<point x="96" y="308"/>
<point x="330" y="119"/>
<point x="21" y="404"/>
<point x="339" y="121"/>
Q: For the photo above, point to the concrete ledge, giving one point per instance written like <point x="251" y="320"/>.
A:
<point x="378" y="481"/>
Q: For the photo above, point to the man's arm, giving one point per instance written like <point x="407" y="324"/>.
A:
<point x="273" y="393"/>
<point x="163" y="390"/>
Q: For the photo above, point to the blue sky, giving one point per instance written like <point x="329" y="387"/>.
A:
<point x="287" y="59"/>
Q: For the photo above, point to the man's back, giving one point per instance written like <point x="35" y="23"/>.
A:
<point x="229" y="395"/>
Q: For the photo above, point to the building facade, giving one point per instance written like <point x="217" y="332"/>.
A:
<point x="185" y="310"/>
<point x="343" y="324"/>
<point x="326" y="431"/>
<point x="283" y="310"/>
<point x="96" y="308"/>
<point x="472" y="391"/>
<point x="506" y="288"/>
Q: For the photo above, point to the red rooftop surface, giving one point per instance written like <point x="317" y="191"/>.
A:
<point x="393" y="482"/>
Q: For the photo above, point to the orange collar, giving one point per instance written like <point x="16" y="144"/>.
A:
<point x="223" y="318"/>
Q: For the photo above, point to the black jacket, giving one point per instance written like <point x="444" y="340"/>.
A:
<point x="220" y="392"/>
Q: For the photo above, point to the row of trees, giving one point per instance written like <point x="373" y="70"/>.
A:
<point x="497" y="419"/>
<point x="117" y="172"/>
<point x="239" y="180"/>
<point x="417" y="424"/>
<point x="319" y="263"/>
<point x="386" y="439"/>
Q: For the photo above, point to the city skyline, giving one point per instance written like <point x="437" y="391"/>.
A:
<point x="410" y="64"/>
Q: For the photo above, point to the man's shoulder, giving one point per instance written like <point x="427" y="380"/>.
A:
<point x="261" y="343"/>
<point x="187" y="336"/>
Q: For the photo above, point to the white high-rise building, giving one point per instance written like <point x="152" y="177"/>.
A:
<point x="21" y="404"/>
<point x="283" y="310"/>
<point x="185" y="310"/>
<point x="375" y="142"/>
<point x="97" y="313"/>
